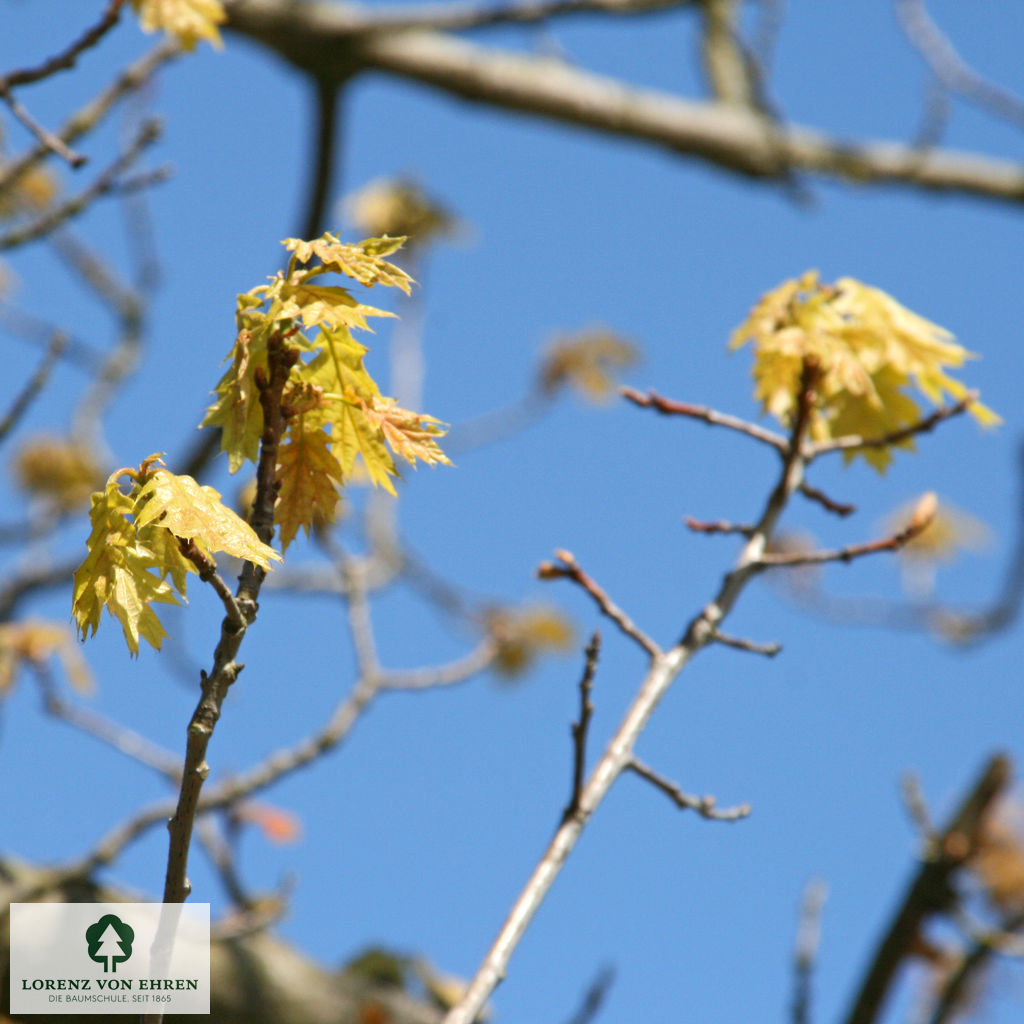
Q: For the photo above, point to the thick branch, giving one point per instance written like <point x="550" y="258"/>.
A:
<point x="930" y="891"/>
<point x="325" y="37"/>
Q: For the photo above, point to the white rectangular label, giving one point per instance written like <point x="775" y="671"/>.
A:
<point x="110" y="958"/>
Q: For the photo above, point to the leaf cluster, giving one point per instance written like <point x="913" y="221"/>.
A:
<point x="869" y="351"/>
<point x="334" y="410"/>
<point x="137" y="548"/>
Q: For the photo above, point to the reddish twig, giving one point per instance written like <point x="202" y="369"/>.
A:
<point x="718" y="526"/>
<point x="837" y="507"/>
<point x="918" y="523"/>
<point x="741" y="644"/>
<point x="854" y="443"/>
<point x="570" y="569"/>
<point x="670" y="407"/>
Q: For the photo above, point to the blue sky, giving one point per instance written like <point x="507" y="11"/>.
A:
<point x="421" y="830"/>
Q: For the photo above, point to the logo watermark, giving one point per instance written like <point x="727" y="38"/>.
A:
<point x="110" y="958"/>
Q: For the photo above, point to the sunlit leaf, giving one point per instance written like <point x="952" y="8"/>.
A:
<point x="187" y="20"/>
<point x="408" y="434"/>
<point x="872" y="354"/>
<point x="363" y="262"/>
<point x="309" y="475"/>
<point x="188" y="510"/>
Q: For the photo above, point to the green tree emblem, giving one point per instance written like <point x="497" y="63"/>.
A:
<point x="110" y="942"/>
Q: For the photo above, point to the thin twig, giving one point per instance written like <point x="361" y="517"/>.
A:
<point x="207" y="569"/>
<point x="705" y="806"/>
<point x="35" y="384"/>
<point x="853" y="442"/>
<point x="581" y="727"/>
<point x="808" y="938"/>
<point x="70" y="208"/>
<point x="44" y="135"/>
<point x="837" y="507"/>
<point x="453" y="672"/>
<point x="847" y="554"/>
<point x="742" y="644"/>
<point x="618" y="754"/>
<point x="917" y="807"/>
<point x="670" y="407"/>
<point x="89" y="116"/>
<point x="570" y="569"/>
<point x="122" y="739"/>
<point x="718" y="526"/>
<point x="951" y="69"/>
<point x="65" y="60"/>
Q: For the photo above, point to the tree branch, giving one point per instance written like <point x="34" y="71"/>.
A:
<point x="322" y="36"/>
<point x="930" y="892"/>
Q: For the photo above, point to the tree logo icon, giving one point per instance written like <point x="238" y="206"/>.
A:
<point x="110" y="942"/>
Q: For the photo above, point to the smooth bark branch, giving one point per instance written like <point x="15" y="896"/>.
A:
<point x="619" y="754"/>
<point x="333" y="38"/>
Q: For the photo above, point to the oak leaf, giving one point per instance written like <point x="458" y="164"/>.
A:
<point x="309" y="474"/>
<point x="409" y="434"/>
<point x="872" y="354"/>
<point x="117" y="573"/>
<point x="193" y="512"/>
<point x="363" y="261"/>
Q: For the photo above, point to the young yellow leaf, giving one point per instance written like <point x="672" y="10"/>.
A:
<point x="322" y="305"/>
<point x="196" y="513"/>
<point x="237" y="410"/>
<point x="116" y="573"/>
<point x="308" y="474"/>
<point x="187" y="20"/>
<point x="354" y="435"/>
<point x="408" y="434"/>
<point x="362" y="262"/>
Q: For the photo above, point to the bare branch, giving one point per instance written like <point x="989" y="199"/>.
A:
<point x="951" y="69"/>
<point x="45" y="137"/>
<point x="89" y="116"/>
<point x="319" y="37"/>
<point x="894" y="542"/>
<point x="853" y="442"/>
<point x="718" y="526"/>
<point x="35" y="384"/>
<point x="580" y="728"/>
<point x="105" y="183"/>
<point x="669" y="407"/>
<point x="838" y="508"/>
<point x="460" y="16"/>
<point x="67" y="57"/>
<point x="705" y="806"/>
<point x="741" y="644"/>
<point x="570" y="569"/>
